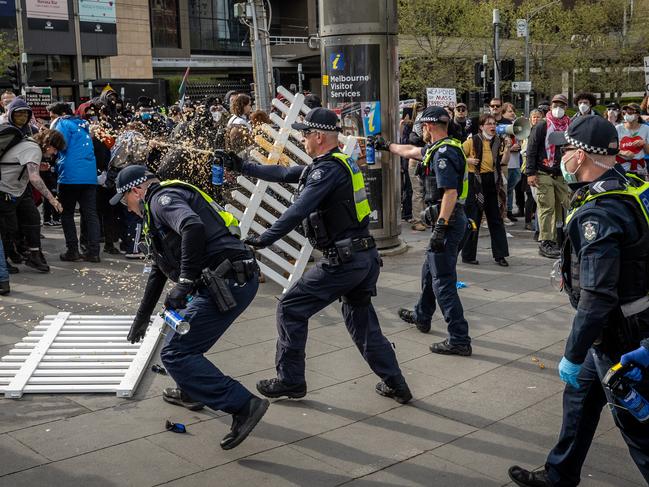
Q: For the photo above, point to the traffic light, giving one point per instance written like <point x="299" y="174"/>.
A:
<point x="477" y="73"/>
<point x="12" y="73"/>
<point x="507" y="70"/>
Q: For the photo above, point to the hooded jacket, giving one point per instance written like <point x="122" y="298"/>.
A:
<point x="20" y="104"/>
<point x="76" y="164"/>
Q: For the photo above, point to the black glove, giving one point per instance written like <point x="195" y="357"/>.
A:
<point x="230" y="160"/>
<point x="437" y="239"/>
<point x="254" y="242"/>
<point x="138" y="329"/>
<point x="381" y="144"/>
<point x="177" y="297"/>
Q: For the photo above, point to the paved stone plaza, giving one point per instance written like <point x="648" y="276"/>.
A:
<point x="471" y="418"/>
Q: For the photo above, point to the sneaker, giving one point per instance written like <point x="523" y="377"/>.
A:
<point x="11" y="269"/>
<point x="173" y="395"/>
<point x="14" y="256"/>
<point x="91" y="258"/>
<point x="4" y="288"/>
<point x="507" y="222"/>
<point x="275" y="388"/>
<point x="408" y="316"/>
<point x="419" y="227"/>
<point x="502" y="262"/>
<point x="244" y="422"/>
<point x="36" y="260"/>
<point x="70" y="256"/>
<point x="48" y="223"/>
<point x="469" y="261"/>
<point x="445" y="348"/>
<point x="526" y="478"/>
<point x="109" y="249"/>
<point x="549" y="249"/>
<point x="56" y="223"/>
<point x="134" y="255"/>
<point x="511" y="217"/>
<point x="400" y="392"/>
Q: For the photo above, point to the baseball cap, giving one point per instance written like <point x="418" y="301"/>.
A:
<point x="592" y="134"/>
<point x="319" y="119"/>
<point x="613" y="105"/>
<point x="632" y="106"/>
<point x="128" y="178"/>
<point x="560" y="99"/>
<point x="460" y="105"/>
<point x="434" y="115"/>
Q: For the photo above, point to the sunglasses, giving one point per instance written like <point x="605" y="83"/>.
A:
<point x="495" y="106"/>
<point x="460" y="109"/>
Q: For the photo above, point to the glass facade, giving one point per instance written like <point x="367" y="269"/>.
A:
<point x="165" y="24"/>
<point x="214" y="29"/>
<point x="49" y="68"/>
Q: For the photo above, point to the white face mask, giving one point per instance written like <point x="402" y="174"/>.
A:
<point x="216" y="116"/>
<point x="558" y="112"/>
<point x="487" y="136"/>
<point x="584" y="108"/>
<point x="629" y="118"/>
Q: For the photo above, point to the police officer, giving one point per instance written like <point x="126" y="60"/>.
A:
<point x="190" y="236"/>
<point x="604" y="266"/>
<point x="444" y="172"/>
<point x="332" y="205"/>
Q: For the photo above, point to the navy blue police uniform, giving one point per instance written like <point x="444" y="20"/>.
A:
<point x="333" y="208"/>
<point x="605" y="271"/>
<point x="187" y="233"/>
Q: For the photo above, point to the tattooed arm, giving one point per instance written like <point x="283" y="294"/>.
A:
<point x="39" y="185"/>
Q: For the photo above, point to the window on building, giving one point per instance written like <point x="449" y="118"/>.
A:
<point x="96" y="67"/>
<point x="165" y="25"/>
<point x="49" y="68"/>
<point x="214" y="29"/>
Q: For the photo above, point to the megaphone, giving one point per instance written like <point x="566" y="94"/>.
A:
<point x="519" y="129"/>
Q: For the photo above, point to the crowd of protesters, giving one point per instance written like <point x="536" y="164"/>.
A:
<point x="512" y="178"/>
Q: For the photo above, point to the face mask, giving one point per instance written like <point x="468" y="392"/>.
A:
<point x="94" y="118"/>
<point x="145" y="116"/>
<point x="558" y="112"/>
<point x="584" y="108"/>
<point x="216" y="116"/>
<point x="629" y="118"/>
<point x="487" y="136"/>
<point x="569" y="177"/>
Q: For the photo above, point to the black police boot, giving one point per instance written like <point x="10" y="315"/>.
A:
<point x="4" y="288"/>
<point x="173" y="395"/>
<point x="36" y="260"/>
<point x="445" y="348"/>
<point x="90" y="258"/>
<point x="525" y="478"/>
<point x="13" y="255"/>
<point x="12" y="269"/>
<point x="244" y="422"/>
<point x="275" y="388"/>
<point x="397" y="389"/>
<point x="70" y="256"/>
<point x="408" y="316"/>
<point x="549" y="249"/>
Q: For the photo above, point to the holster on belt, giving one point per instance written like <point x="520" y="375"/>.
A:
<point x="218" y="286"/>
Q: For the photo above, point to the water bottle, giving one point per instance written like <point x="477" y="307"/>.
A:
<point x="176" y="322"/>
<point x="370" y="154"/>
<point x="636" y="405"/>
<point x="556" y="276"/>
<point x="217" y="174"/>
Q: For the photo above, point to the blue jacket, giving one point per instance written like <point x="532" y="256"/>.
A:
<point x="76" y="164"/>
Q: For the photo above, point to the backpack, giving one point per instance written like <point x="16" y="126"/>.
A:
<point x="9" y="137"/>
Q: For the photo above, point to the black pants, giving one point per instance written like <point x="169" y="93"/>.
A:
<point x="19" y="216"/>
<point x="86" y="196"/>
<point x="499" y="245"/>
<point x="406" y="192"/>
<point x="49" y="213"/>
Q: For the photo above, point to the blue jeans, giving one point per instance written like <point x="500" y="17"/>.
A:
<point x="581" y="411"/>
<point x="513" y="177"/>
<point x="4" y="274"/>
<point x="439" y="283"/>
<point x="183" y="355"/>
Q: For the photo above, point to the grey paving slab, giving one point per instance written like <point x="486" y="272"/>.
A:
<point x="611" y="445"/>
<point x="522" y="306"/>
<point x="16" y="456"/>
<point x="33" y="410"/>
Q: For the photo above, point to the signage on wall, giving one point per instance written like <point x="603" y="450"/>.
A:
<point x="7" y="13"/>
<point x="97" y="16"/>
<point x="50" y="15"/>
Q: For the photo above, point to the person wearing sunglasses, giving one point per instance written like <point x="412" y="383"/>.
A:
<point x="604" y="270"/>
<point x="496" y="110"/>
<point x="634" y="140"/>
<point x="462" y="120"/>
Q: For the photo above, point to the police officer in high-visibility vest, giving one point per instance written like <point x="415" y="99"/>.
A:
<point x="444" y="173"/>
<point x="195" y="243"/>
<point x="605" y="271"/>
<point x="332" y="206"/>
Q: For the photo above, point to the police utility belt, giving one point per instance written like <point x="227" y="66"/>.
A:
<point x="217" y="281"/>
<point x="343" y="250"/>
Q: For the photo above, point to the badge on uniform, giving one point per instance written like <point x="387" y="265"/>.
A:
<point x="316" y="175"/>
<point x="164" y="200"/>
<point x="441" y="163"/>
<point x="590" y="230"/>
<point x="442" y="149"/>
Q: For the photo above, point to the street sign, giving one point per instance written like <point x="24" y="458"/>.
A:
<point x="521" y="86"/>
<point x="646" y="75"/>
<point x="521" y="28"/>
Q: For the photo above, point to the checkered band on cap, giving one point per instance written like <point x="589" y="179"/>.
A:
<point x="132" y="184"/>
<point x="321" y="126"/>
<point x="588" y="148"/>
<point x="434" y="119"/>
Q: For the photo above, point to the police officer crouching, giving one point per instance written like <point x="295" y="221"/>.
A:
<point x="194" y="242"/>
<point x="444" y="173"/>
<point x="605" y="264"/>
<point x="332" y="205"/>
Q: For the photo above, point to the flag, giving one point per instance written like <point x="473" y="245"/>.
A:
<point x="183" y="88"/>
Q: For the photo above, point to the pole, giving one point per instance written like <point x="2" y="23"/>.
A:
<point x="262" y="70"/>
<point x="527" y="64"/>
<point x="496" y="22"/>
<point x="300" y="76"/>
<point x="485" y="60"/>
<point x="77" y="44"/>
<point x="22" y="55"/>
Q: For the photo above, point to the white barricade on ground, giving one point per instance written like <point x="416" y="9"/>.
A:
<point x="78" y="353"/>
<point x="262" y="203"/>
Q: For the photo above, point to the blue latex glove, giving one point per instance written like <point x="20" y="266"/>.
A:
<point x="640" y="358"/>
<point x="569" y="372"/>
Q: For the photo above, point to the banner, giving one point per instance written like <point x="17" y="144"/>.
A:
<point x="38" y="98"/>
<point x="441" y="97"/>
<point x="97" y="16"/>
<point x="47" y="14"/>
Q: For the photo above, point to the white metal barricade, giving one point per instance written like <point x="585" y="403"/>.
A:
<point x="78" y="353"/>
<point x="258" y="209"/>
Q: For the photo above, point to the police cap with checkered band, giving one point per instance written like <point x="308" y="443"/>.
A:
<point x="319" y="119"/>
<point x="592" y="134"/>
<point x="128" y="178"/>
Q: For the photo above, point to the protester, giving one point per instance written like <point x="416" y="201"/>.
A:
<point x="585" y="103"/>
<point x="634" y="141"/>
<point x="613" y="113"/>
